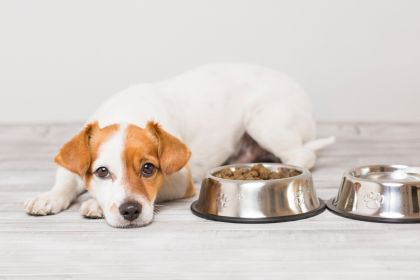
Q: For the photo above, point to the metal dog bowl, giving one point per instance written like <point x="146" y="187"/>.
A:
<point x="379" y="193"/>
<point x="258" y="201"/>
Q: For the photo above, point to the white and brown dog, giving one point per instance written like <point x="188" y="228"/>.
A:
<point x="221" y="112"/>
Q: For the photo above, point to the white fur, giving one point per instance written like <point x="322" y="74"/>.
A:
<point x="209" y="109"/>
<point x="174" y="186"/>
<point x="91" y="209"/>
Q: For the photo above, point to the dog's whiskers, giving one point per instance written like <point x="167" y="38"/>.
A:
<point x="157" y="208"/>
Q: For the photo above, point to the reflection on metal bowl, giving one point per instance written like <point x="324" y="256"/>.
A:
<point x="258" y="201"/>
<point x="379" y="193"/>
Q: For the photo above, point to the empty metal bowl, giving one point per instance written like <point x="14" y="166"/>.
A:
<point x="258" y="201"/>
<point x="379" y="193"/>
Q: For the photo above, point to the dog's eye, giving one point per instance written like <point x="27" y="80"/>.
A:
<point x="148" y="169"/>
<point x="103" y="172"/>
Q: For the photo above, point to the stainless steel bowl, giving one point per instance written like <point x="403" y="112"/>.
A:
<point x="258" y="201"/>
<point x="379" y="193"/>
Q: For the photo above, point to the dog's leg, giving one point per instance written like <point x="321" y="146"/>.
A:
<point x="65" y="190"/>
<point x="176" y="186"/>
<point x="288" y="147"/>
<point x="91" y="209"/>
<point x="278" y="132"/>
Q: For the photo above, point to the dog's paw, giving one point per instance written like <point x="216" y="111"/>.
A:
<point x="91" y="209"/>
<point x="46" y="204"/>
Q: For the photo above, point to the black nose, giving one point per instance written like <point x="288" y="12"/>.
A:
<point x="130" y="210"/>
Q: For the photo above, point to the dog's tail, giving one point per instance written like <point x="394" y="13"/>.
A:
<point x="319" y="144"/>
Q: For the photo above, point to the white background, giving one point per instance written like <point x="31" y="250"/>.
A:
<point x="358" y="60"/>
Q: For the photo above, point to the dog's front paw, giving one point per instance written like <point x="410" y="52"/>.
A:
<point x="46" y="204"/>
<point x="91" y="209"/>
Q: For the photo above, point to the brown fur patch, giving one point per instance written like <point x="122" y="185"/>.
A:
<point x="78" y="154"/>
<point x="140" y="148"/>
<point x="173" y="154"/>
<point x="158" y="147"/>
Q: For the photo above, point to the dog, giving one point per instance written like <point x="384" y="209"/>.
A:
<point x="144" y="144"/>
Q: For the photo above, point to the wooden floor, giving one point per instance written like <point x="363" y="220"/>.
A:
<point x="178" y="245"/>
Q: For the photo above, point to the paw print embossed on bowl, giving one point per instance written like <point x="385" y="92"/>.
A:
<point x="379" y="193"/>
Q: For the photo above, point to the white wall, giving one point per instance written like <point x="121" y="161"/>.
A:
<point x="359" y="60"/>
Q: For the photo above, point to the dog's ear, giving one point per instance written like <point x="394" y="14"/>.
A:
<point x="173" y="154"/>
<point x="75" y="155"/>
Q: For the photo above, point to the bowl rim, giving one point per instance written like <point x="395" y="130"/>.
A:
<point x="348" y="173"/>
<point x="304" y="172"/>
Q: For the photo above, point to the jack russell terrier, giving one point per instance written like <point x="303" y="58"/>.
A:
<point x="135" y="149"/>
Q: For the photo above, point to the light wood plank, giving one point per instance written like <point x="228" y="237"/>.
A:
<point x="179" y="245"/>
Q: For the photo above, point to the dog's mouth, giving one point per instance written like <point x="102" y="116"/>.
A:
<point x="127" y="224"/>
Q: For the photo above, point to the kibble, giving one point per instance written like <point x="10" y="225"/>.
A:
<point x="256" y="172"/>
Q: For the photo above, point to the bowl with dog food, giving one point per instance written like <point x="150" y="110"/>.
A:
<point x="257" y="193"/>
<point x="379" y="193"/>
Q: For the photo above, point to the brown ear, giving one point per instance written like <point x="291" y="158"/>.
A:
<point x="75" y="155"/>
<point x="173" y="154"/>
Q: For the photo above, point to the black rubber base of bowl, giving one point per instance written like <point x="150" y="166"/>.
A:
<point x="344" y="214"/>
<point x="278" y="219"/>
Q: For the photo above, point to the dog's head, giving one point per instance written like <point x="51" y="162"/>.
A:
<point x="123" y="167"/>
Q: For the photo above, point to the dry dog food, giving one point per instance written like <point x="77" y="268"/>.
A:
<point x="256" y="172"/>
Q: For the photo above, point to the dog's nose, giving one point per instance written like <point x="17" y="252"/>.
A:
<point x="130" y="210"/>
